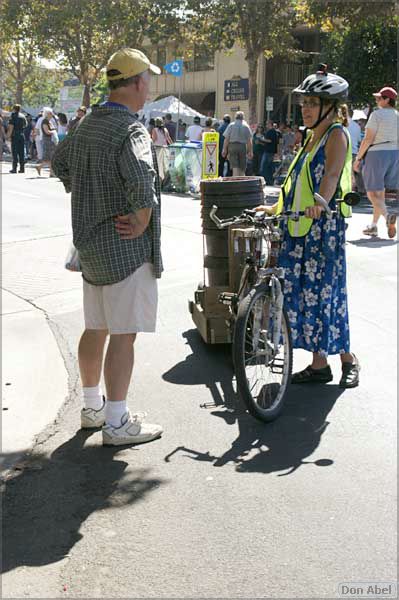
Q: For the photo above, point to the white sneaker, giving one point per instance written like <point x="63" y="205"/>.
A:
<point x="371" y="230"/>
<point x="132" y="430"/>
<point x="92" y="419"/>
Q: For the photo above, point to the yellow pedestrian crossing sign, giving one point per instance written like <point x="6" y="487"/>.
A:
<point x="210" y="155"/>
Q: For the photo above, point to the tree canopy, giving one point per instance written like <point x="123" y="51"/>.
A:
<point x="359" y="53"/>
<point x="259" y="27"/>
<point x="82" y="35"/>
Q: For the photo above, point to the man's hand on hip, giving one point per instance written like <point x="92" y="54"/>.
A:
<point x="133" y="225"/>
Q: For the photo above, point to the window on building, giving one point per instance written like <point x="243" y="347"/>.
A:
<point x="203" y="60"/>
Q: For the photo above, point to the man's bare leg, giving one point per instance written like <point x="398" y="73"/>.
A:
<point x="118" y="365"/>
<point x="90" y="355"/>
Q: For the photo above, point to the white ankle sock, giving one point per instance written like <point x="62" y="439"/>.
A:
<point x="92" y="397"/>
<point x="114" y="411"/>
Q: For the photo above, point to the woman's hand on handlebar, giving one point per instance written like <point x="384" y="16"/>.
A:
<point x="269" y="210"/>
<point x="314" y="212"/>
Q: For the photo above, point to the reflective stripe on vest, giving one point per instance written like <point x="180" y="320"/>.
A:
<point x="303" y="194"/>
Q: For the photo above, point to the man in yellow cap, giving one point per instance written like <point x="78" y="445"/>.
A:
<point x="109" y="165"/>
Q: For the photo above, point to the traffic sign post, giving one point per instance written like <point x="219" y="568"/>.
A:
<point x="210" y="155"/>
<point x="269" y="105"/>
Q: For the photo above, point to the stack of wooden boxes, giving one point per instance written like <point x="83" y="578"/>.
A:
<point x="225" y="252"/>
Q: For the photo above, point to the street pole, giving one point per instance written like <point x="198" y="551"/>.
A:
<point x="178" y="108"/>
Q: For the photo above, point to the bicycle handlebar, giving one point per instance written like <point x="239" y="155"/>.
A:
<point x="249" y="215"/>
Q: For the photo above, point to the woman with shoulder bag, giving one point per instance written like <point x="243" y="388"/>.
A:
<point x="313" y="247"/>
<point x="379" y="152"/>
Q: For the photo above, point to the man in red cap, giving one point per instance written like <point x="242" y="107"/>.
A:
<point x="380" y="152"/>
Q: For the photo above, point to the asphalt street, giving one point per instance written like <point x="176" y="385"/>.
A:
<point x="221" y="506"/>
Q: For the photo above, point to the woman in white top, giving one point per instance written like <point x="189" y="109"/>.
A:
<point x="208" y="127"/>
<point x="160" y="135"/>
<point x="381" y="163"/>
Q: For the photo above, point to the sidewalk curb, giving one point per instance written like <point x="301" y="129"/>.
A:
<point x="35" y="379"/>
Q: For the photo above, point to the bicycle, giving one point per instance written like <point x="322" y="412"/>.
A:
<point x="262" y="344"/>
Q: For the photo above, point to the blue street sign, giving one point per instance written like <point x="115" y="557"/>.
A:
<point x="175" y="68"/>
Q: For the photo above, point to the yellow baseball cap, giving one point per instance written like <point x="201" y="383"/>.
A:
<point x="128" y="62"/>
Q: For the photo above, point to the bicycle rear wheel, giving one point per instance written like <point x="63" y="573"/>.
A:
<point x="263" y="368"/>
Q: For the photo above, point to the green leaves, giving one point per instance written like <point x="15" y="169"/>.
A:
<point x="365" y="55"/>
<point x="81" y="35"/>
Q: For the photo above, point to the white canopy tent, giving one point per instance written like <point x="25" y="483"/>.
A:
<point x="160" y="108"/>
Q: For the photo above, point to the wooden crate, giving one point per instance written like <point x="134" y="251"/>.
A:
<point x="213" y="329"/>
<point x="242" y="245"/>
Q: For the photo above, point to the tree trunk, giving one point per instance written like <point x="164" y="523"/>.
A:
<point x="20" y="84"/>
<point x="19" y="91"/>
<point x="253" y="89"/>
<point x="86" y="95"/>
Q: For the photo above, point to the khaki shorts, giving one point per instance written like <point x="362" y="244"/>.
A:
<point x="129" y="306"/>
<point x="237" y="155"/>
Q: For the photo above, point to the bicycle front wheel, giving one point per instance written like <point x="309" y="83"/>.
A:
<point x="262" y="354"/>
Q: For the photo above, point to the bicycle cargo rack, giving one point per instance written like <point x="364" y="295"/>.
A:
<point x="225" y="253"/>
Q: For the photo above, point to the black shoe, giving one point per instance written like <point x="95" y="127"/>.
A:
<point x="21" y="171"/>
<point x="350" y="374"/>
<point x="310" y="375"/>
<point x="12" y="171"/>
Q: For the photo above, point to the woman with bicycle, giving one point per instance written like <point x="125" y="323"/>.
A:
<point x="313" y="246"/>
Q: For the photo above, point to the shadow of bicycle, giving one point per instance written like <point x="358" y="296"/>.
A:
<point x="283" y="445"/>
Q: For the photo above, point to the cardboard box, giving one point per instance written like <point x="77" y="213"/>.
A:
<point x="213" y="330"/>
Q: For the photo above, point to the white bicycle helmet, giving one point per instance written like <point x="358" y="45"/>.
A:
<point x="324" y="85"/>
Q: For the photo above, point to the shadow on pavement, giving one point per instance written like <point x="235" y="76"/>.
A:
<point x="375" y="242"/>
<point x="259" y="447"/>
<point x="44" y="509"/>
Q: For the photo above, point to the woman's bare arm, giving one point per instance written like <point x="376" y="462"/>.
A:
<point x="364" y="146"/>
<point x="335" y="150"/>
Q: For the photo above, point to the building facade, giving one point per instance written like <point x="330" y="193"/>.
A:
<point x="216" y="84"/>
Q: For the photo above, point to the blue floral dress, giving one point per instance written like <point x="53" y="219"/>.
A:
<point x="315" y="295"/>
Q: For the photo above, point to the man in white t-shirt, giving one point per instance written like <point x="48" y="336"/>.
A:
<point x="194" y="132"/>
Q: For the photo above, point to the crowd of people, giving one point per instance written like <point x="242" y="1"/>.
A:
<point x="35" y="138"/>
<point x="265" y="150"/>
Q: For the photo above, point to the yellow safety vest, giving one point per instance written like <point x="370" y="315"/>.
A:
<point x="303" y="194"/>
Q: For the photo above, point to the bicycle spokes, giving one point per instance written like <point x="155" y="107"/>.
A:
<point x="267" y="354"/>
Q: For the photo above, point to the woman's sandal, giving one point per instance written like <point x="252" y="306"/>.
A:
<point x="350" y="374"/>
<point x="310" y="375"/>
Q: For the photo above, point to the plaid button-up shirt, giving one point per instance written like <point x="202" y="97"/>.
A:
<point x="110" y="166"/>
